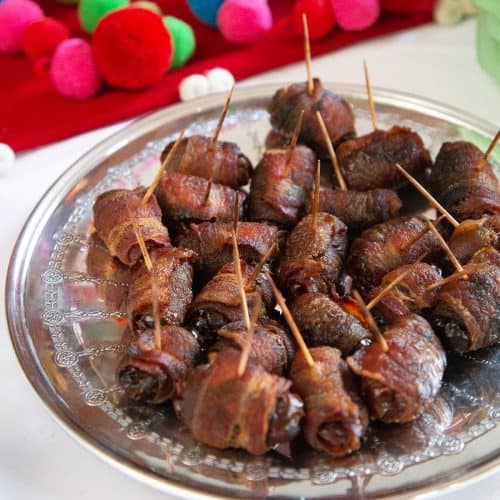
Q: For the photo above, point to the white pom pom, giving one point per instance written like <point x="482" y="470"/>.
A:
<point x="7" y="157"/>
<point x="193" y="86"/>
<point x="219" y="79"/>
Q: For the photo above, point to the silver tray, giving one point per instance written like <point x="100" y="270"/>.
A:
<point x="67" y="324"/>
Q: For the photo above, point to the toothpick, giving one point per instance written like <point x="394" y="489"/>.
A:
<point x="221" y="120"/>
<point x="371" y="322"/>
<point x="427" y="195"/>
<point x="290" y="321"/>
<point x="445" y="247"/>
<point x="315" y="208"/>
<point x="140" y="239"/>
<point x="241" y="285"/>
<point x="421" y="233"/>
<point x="156" y="309"/>
<point x="258" y="268"/>
<point x="331" y="152"/>
<point x="457" y="275"/>
<point x="307" y="50"/>
<point x="293" y="142"/>
<point x="207" y="192"/>
<point x="162" y="168"/>
<point x="370" y="97"/>
<point x="236" y="213"/>
<point x="245" y="352"/>
<point x="491" y="147"/>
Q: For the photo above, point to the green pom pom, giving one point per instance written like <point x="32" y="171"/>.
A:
<point x="90" y="12"/>
<point x="145" y="4"/>
<point x="183" y="40"/>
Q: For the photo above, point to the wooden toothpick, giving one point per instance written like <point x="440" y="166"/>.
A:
<point x="156" y="308"/>
<point x="162" y="168"/>
<point x="371" y="321"/>
<point x="457" y="275"/>
<point x="307" y="50"/>
<point x="258" y="268"/>
<point x="241" y="284"/>
<point x="487" y="153"/>
<point x="315" y="207"/>
<point x="445" y="247"/>
<point x="427" y="195"/>
<point x="207" y="192"/>
<point x="370" y="97"/>
<point x="331" y="151"/>
<point x="245" y="352"/>
<point x="293" y="143"/>
<point x="140" y="239"/>
<point x="221" y="120"/>
<point x="290" y="321"/>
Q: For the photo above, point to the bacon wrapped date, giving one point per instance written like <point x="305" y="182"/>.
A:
<point x="336" y="418"/>
<point x="151" y="375"/>
<point x="410" y="294"/>
<point x="183" y="197"/>
<point x="287" y="104"/>
<point x="387" y="246"/>
<point x="174" y="277"/>
<point x="367" y="162"/>
<point x="313" y="259"/>
<point x="219" y="301"/>
<point x="272" y="346"/>
<point x="322" y="321"/>
<point x="278" y="191"/>
<point x="399" y="384"/>
<point x="473" y="234"/>
<point x="464" y="182"/>
<point x="254" y="412"/>
<point x="358" y="209"/>
<point x="114" y="226"/>
<point x="213" y="243"/>
<point x="467" y="314"/>
<point x="224" y="164"/>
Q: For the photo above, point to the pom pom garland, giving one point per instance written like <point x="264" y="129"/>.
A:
<point x="73" y="69"/>
<point x="15" y="17"/>
<point x="354" y="15"/>
<point x="90" y="12"/>
<point x="219" y="80"/>
<point x="320" y="17"/>
<point x="183" y="40"/>
<point x="133" y="48"/>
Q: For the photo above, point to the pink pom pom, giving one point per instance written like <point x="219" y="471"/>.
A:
<point x="243" y="21"/>
<point x="356" y="14"/>
<point x="15" y="16"/>
<point x="73" y="69"/>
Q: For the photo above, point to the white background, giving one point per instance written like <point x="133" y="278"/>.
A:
<point x="37" y="459"/>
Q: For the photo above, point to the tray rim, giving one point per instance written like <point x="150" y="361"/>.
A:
<point x="21" y="256"/>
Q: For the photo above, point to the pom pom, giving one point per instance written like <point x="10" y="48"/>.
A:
<point x="193" y="86"/>
<point x="205" y="10"/>
<point x="244" y="21"/>
<point x="90" y="12"/>
<point x="41" y="38"/>
<point x="183" y="40"/>
<point x="356" y="14"/>
<point x="320" y="17"/>
<point x="144" y="4"/>
<point x="15" y="16"/>
<point x="219" y="80"/>
<point x="73" y="69"/>
<point x="132" y="47"/>
<point x="7" y="158"/>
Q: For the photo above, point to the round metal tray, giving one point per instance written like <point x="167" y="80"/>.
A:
<point x="66" y="324"/>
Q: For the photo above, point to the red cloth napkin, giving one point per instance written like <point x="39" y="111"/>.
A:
<point x="32" y="113"/>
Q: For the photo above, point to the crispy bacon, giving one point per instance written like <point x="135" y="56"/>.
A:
<point x="400" y="383"/>
<point x="467" y="314"/>
<point x="410" y="294"/>
<point x="213" y="243"/>
<point x="174" y="274"/>
<point x="225" y="164"/>
<point x="367" y="162"/>
<point x="463" y="182"/>
<point x="272" y="346"/>
<point x="183" y="197"/>
<point x="288" y="102"/>
<point x="313" y="259"/>
<point x="278" y="192"/>
<point x="358" y="209"/>
<point x="336" y="418"/>
<point x="114" y="227"/>
<point x="387" y="246"/>
<point x="254" y="412"/>
<point x="322" y="321"/>
<point x="150" y="375"/>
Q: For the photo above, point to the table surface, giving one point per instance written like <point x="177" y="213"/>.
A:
<point x="37" y="458"/>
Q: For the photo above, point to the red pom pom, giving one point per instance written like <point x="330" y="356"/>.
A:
<point x="41" y="38"/>
<point x="132" y="48"/>
<point x="320" y="17"/>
